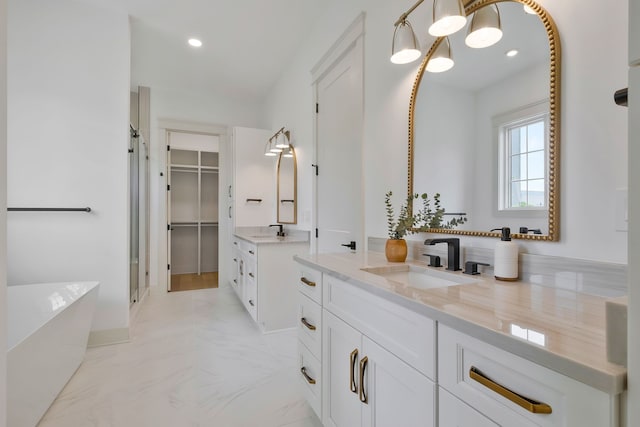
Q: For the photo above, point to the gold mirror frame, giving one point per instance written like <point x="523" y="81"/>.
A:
<point x="554" y="123"/>
<point x="295" y="188"/>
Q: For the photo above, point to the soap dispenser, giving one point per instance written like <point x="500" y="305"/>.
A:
<point x="505" y="257"/>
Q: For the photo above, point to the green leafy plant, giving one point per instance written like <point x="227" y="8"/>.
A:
<point x="426" y="218"/>
<point x="405" y="223"/>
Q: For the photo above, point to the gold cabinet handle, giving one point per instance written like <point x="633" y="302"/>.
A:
<point x="529" y="404"/>
<point x="306" y="376"/>
<point x="352" y="367"/>
<point x="307" y="324"/>
<point x="363" y="393"/>
<point x="307" y="282"/>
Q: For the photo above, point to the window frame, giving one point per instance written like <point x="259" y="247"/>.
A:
<point x="518" y="117"/>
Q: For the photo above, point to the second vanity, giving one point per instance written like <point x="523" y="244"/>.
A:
<point x="381" y="345"/>
<point x="263" y="275"/>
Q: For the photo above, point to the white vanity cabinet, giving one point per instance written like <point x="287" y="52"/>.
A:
<point x="380" y="363"/>
<point x="310" y="326"/>
<point x="366" y="385"/>
<point x="512" y="391"/>
<point x="375" y="371"/>
<point x="454" y="412"/>
<point x="266" y="281"/>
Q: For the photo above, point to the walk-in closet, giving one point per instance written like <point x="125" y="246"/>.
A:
<point x="192" y="200"/>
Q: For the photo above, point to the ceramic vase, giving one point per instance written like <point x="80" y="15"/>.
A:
<point x="396" y="250"/>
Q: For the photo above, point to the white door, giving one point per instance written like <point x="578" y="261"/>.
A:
<point x="168" y="195"/>
<point x="453" y="412"/>
<point x="341" y="405"/>
<point x="396" y="394"/>
<point x="339" y="123"/>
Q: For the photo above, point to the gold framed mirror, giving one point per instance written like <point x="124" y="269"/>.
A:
<point x="287" y="191"/>
<point x="486" y="133"/>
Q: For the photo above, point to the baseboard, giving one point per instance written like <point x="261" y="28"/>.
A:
<point x="108" y="337"/>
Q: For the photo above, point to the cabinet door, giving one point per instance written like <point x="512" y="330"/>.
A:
<point x="235" y="269"/>
<point x="395" y="393"/>
<point x="453" y="412"/>
<point x="341" y="354"/>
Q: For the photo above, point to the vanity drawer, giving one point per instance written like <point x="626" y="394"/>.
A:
<point x="310" y="324"/>
<point x="405" y="333"/>
<point x="310" y="283"/>
<point x="309" y="369"/>
<point x="511" y="390"/>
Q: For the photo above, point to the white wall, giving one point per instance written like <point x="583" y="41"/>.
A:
<point x="3" y="217"/>
<point x="593" y="131"/>
<point x="68" y="114"/>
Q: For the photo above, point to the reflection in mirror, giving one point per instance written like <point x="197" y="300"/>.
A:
<point x="484" y="134"/>
<point x="287" y="187"/>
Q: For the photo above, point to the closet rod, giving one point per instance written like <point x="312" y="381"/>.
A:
<point x="87" y="209"/>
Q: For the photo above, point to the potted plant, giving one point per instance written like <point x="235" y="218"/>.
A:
<point x="396" y="247"/>
<point x="425" y="219"/>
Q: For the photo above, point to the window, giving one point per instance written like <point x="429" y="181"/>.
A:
<point x="523" y="152"/>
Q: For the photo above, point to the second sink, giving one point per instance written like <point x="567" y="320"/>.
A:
<point x="419" y="277"/>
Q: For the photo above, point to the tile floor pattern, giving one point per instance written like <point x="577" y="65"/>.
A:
<point x="195" y="359"/>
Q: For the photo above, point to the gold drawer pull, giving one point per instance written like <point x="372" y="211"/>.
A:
<point x="307" y="324"/>
<point x="529" y="404"/>
<point x="307" y="282"/>
<point x="363" y="393"/>
<point x="352" y="367"/>
<point x="306" y="376"/>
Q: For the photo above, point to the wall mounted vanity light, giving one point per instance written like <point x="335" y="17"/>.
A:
<point x="485" y="29"/>
<point x="441" y="59"/>
<point x="448" y="17"/>
<point x="277" y="143"/>
<point x="405" y="47"/>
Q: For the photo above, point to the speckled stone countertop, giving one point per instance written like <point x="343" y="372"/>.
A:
<point x="560" y="330"/>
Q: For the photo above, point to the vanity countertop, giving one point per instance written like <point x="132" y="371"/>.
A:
<point x="561" y="330"/>
<point x="260" y="238"/>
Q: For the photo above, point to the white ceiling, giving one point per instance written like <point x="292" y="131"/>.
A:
<point x="246" y="43"/>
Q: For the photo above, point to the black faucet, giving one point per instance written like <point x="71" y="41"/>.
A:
<point x="453" y="247"/>
<point x="280" y="232"/>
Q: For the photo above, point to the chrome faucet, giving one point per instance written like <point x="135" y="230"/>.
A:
<point x="453" y="248"/>
<point x="280" y="232"/>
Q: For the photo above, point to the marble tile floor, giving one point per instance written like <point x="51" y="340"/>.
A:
<point x="195" y="358"/>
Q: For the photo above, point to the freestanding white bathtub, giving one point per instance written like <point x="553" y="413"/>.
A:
<point x="48" y="329"/>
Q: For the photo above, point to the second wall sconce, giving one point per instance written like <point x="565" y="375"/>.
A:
<point x="277" y="143"/>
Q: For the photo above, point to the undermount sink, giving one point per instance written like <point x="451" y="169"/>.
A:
<point x="419" y="277"/>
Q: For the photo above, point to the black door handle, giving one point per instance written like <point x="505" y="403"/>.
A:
<point x="351" y="245"/>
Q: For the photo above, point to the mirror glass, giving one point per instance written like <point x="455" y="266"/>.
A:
<point x="484" y="134"/>
<point x="287" y="187"/>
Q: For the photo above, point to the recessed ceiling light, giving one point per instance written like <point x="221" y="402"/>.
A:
<point x="529" y="10"/>
<point x="512" y="52"/>
<point x="195" y="42"/>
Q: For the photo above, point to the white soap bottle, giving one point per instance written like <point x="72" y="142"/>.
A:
<point x="506" y="257"/>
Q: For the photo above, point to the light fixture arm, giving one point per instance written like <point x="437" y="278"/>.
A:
<point x="407" y="13"/>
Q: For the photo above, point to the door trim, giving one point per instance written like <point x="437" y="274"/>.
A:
<point x="165" y="126"/>
<point x="344" y="42"/>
